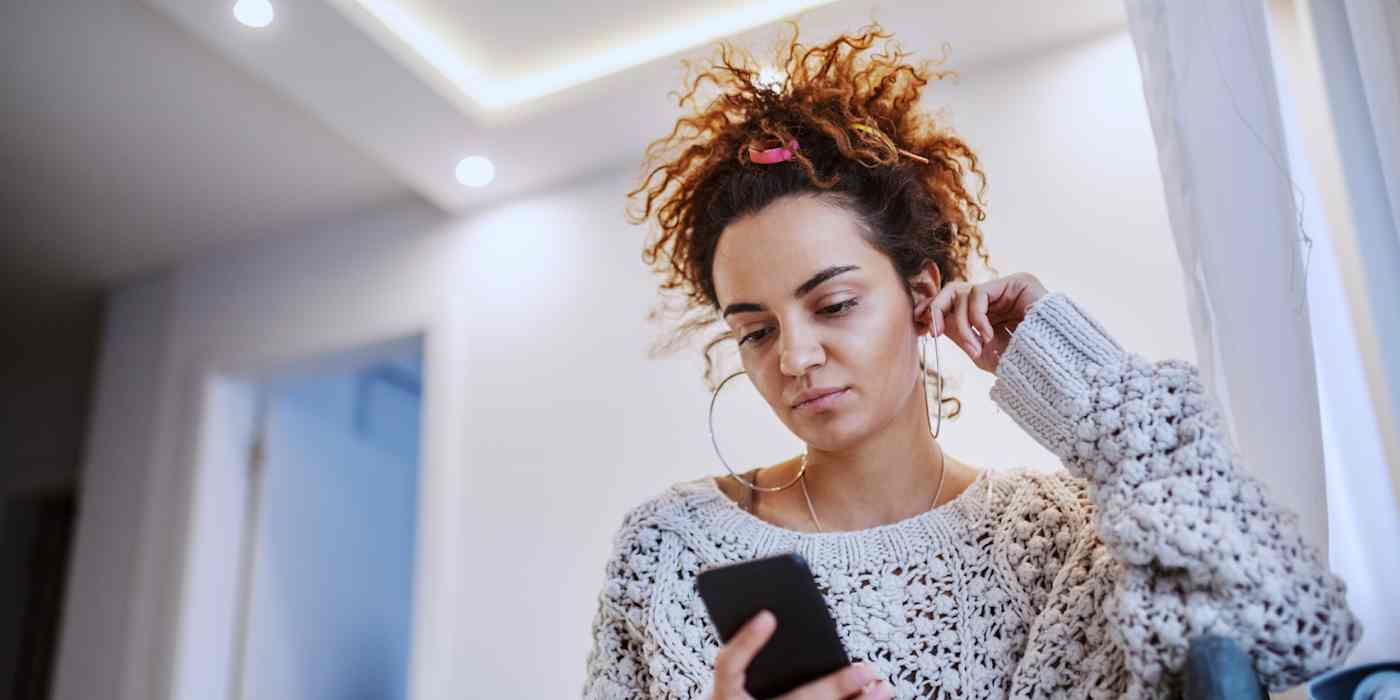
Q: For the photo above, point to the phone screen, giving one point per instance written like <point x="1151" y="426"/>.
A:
<point x="804" y="647"/>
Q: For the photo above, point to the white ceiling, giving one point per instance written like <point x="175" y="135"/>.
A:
<point x="127" y="144"/>
<point x="138" y="134"/>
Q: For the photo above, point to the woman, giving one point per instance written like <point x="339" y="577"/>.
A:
<point x="823" y="222"/>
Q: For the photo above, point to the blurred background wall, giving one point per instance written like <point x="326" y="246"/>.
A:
<point x="236" y="210"/>
<point x="551" y="421"/>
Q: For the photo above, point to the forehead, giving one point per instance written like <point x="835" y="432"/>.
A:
<point x="779" y="247"/>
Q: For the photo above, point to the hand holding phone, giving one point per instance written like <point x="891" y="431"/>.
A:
<point x="732" y="664"/>
<point x="779" y="638"/>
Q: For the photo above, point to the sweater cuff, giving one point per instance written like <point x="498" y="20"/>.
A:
<point x="1042" y="371"/>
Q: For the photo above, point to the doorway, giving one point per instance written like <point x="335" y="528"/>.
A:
<point x="35" y="545"/>
<point x="303" y="553"/>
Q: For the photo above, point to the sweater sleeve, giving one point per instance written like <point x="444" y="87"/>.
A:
<point x="1162" y="535"/>
<point x="616" y="665"/>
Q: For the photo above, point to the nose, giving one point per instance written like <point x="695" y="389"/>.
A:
<point x="800" y="352"/>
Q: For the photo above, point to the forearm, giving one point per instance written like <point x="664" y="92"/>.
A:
<point x="1202" y="547"/>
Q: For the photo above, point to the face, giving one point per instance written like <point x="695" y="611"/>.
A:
<point x="814" y="306"/>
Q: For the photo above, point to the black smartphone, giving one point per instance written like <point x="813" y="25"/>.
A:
<point x="803" y="648"/>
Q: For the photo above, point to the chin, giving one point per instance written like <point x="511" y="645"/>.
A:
<point x="834" y="435"/>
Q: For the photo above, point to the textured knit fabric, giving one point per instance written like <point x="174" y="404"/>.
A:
<point x="1086" y="581"/>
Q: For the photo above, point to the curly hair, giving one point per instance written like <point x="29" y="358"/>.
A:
<point x="698" y="179"/>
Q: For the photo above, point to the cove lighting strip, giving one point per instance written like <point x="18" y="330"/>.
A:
<point x="504" y="93"/>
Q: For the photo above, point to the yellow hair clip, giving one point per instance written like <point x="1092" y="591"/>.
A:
<point x="888" y="141"/>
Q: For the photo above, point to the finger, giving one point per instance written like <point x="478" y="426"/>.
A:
<point x="733" y="659"/>
<point x="949" y="311"/>
<point x="978" y="312"/>
<point x="968" y="340"/>
<point x="840" y="684"/>
<point x="878" y="691"/>
<point x="934" y="319"/>
<point x="1009" y="299"/>
<point x="941" y="305"/>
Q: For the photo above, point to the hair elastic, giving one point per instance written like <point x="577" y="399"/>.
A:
<point x="774" y="155"/>
<point x="779" y="154"/>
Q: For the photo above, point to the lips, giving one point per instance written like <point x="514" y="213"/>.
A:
<point x="815" y="395"/>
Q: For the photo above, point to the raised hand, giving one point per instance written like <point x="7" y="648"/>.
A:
<point x="981" y="317"/>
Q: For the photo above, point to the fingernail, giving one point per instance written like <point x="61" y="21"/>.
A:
<point x="972" y="347"/>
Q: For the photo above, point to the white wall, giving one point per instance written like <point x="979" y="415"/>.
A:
<point x="543" y="419"/>
<point x="1075" y="197"/>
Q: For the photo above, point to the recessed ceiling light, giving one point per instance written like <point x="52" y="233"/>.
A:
<point x="476" y="171"/>
<point x="254" y="13"/>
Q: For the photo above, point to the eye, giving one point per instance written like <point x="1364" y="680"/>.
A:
<point x="833" y="310"/>
<point x="840" y="308"/>
<point x="753" y="335"/>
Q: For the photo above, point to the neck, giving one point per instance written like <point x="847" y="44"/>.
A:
<point x="886" y="478"/>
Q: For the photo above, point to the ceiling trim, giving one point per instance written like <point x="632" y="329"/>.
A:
<point x="410" y="38"/>
<point x="347" y="69"/>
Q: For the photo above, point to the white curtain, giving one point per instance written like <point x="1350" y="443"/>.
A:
<point x="1269" y="315"/>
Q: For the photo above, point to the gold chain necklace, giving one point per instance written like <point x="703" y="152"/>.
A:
<point x="942" y="472"/>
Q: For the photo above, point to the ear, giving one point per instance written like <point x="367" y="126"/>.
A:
<point x="925" y="286"/>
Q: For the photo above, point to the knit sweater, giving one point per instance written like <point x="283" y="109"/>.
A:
<point x="1085" y="581"/>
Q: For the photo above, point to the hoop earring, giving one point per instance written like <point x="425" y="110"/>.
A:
<point x="740" y="479"/>
<point x="923" y="372"/>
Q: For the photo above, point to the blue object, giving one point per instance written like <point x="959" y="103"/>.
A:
<point x="1217" y="669"/>
<point x="1374" y="681"/>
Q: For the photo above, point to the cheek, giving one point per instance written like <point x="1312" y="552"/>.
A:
<point x="875" y="344"/>
<point x="885" y="369"/>
<point x="768" y="381"/>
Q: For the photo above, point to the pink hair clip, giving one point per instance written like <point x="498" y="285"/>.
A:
<point x="774" y="155"/>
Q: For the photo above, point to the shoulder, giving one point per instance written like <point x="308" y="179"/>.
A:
<point x="671" y="509"/>
<point x="1040" y="519"/>
<point x="1027" y="502"/>
<point x="644" y="543"/>
<point x="1022" y="488"/>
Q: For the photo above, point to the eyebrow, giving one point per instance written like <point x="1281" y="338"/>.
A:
<point x="801" y="291"/>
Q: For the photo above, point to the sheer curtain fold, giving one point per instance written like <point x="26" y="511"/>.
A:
<point x="1268" y="312"/>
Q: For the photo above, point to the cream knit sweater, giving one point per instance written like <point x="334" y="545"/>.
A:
<point x="1080" y="583"/>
